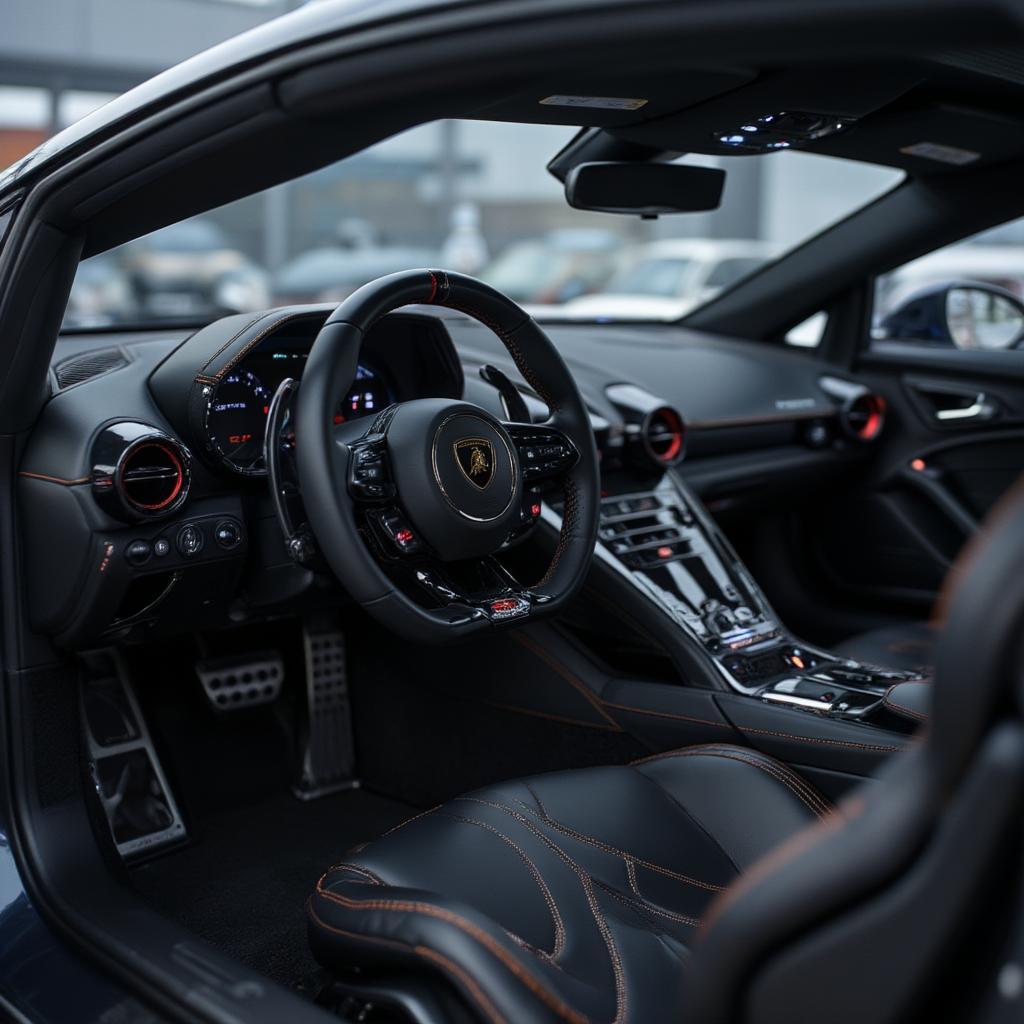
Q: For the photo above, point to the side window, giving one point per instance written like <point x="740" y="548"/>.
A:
<point x="808" y="333"/>
<point x="969" y="295"/>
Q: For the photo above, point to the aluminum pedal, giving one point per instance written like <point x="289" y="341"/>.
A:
<point x="328" y="753"/>
<point x="231" y="684"/>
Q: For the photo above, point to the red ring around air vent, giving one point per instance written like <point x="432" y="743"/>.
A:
<point x="151" y="477"/>
<point x="864" y="416"/>
<point x="663" y="435"/>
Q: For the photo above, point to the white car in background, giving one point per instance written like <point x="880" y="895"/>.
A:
<point x="999" y="265"/>
<point x="664" y="280"/>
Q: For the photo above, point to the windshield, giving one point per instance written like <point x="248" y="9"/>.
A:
<point x="475" y="197"/>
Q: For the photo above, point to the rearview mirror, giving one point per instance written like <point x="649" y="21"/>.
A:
<point x="966" y="314"/>
<point x="644" y="189"/>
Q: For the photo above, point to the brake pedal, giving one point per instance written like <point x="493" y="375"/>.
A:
<point x="231" y="684"/>
<point x="327" y="762"/>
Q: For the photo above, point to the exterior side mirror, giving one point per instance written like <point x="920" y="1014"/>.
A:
<point x="965" y="314"/>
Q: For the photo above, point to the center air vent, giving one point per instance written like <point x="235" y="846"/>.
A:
<point x="863" y="416"/>
<point x="663" y="435"/>
<point x="151" y="477"/>
<point x="139" y="472"/>
<point x="90" y="364"/>
<point x="654" y="434"/>
<point x="861" y="413"/>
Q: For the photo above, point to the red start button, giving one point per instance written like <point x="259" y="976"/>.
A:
<point x="505" y="604"/>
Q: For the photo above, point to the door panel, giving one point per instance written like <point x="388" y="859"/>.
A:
<point x="952" y="444"/>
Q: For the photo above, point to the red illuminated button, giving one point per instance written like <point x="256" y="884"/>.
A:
<point x="535" y="509"/>
<point x="506" y="604"/>
<point x="665" y="551"/>
<point x="405" y="536"/>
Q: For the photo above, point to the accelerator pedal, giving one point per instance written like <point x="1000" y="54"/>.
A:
<point x="327" y="763"/>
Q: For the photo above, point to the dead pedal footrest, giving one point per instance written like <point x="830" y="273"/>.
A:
<point x="231" y="684"/>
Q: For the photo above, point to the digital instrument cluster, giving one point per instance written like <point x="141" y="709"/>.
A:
<point x="236" y="413"/>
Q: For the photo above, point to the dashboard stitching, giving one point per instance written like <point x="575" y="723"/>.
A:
<point x="218" y="376"/>
<point x="227" y="344"/>
<point x="54" y="479"/>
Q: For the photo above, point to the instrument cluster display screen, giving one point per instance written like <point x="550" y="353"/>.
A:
<point x="236" y="414"/>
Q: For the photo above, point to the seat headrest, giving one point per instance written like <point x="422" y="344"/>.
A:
<point x="978" y="676"/>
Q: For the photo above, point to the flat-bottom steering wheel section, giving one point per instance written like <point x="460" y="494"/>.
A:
<point x="411" y="512"/>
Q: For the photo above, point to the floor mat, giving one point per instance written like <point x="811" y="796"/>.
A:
<point x="242" y="883"/>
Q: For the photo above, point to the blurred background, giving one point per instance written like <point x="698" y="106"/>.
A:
<point x="470" y="196"/>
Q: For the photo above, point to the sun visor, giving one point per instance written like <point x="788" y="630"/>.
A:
<point x="604" y="100"/>
<point x="933" y="139"/>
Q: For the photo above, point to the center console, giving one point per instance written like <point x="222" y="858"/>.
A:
<point x="666" y="544"/>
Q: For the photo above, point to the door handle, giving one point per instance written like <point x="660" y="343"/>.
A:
<point x="949" y="404"/>
<point x="979" y="409"/>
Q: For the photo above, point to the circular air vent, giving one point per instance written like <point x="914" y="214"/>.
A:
<point x="863" y="416"/>
<point x="152" y="476"/>
<point x="663" y="436"/>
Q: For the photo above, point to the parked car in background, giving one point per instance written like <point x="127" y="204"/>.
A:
<point x="101" y="295"/>
<point x="556" y="267"/>
<point x="330" y="273"/>
<point x="999" y="265"/>
<point x="666" y="279"/>
<point x="192" y="269"/>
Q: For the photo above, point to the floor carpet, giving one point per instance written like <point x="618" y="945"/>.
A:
<point x="242" y="882"/>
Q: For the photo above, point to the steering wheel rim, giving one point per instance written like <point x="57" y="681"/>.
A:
<point x="329" y="458"/>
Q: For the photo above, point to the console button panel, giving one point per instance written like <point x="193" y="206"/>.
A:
<point x="669" y="545"/>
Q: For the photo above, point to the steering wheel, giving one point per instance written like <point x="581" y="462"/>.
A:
<point x="409" y="511"/>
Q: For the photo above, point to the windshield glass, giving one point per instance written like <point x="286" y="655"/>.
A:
<point x="475" y="197"/>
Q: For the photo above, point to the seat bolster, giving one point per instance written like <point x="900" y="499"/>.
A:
<point x="748" y="802"/>
<point x="413" y="929"/>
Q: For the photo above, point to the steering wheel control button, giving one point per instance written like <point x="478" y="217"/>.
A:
<point x="227" y="534"/>
<point x="369" y="479"/>
<point x="138" y="552"/>
<point x="189" y="541"/>
<point x="543" y="452"/>
<point x="400" y="534"/>
<point x="161" y="547"/>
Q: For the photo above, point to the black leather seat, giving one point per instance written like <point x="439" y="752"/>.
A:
<point x="712" y="884"/>
<point x="906" y="648"/>
<point x="576" y="893"/>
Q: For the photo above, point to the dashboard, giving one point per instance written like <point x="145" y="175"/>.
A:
<point x="143" y="485"/>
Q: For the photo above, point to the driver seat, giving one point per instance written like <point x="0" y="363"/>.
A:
<point x="713" y="884"/>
